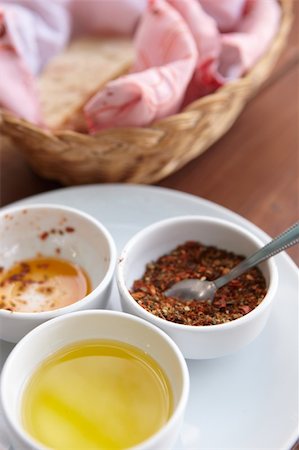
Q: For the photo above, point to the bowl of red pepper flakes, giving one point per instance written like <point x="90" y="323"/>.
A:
<point x="205" y="248"/>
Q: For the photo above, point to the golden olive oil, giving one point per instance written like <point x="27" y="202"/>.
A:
<point x="98" y="394"/>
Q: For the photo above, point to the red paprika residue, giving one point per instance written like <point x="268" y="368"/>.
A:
<point x="69" y="229"/>
<point x="44" y="235"/>
<point x="195" y="260"/>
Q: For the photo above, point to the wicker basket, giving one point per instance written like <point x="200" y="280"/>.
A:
<point x="142" y="155"/>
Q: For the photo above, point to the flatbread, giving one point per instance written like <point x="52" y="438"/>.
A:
<point x="73" y="77"/>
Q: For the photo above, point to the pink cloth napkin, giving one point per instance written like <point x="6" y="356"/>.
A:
<point x="31" y="32"/>
<point x="226" y="13"/>
<point x="185" y="49"/>
<point x="139" y="98"/>
<point x="106" y="16"/>
<point x="20" y="96"/>
<point x="166" y="57"/>
<point x="239" y="49"/>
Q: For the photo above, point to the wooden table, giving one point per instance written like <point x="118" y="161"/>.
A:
<point x="253" y="170"/>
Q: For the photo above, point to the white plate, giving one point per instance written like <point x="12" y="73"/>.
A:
<point x="248" y="400"/>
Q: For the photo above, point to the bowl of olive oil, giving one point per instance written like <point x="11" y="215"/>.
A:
<point x="95" y="380"/>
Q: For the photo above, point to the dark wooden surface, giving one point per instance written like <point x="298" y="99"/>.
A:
<point x="253" y="170"/>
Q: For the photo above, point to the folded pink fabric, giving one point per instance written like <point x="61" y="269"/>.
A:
<point x="207" y="39"/>
<point x="226" y="13"/>
<point x="166" y="58"/>
<point x="221" y="57"/>
<point x="106" y="16"/>
<point x="17" y="86"/>
<point x="37" y="29"/>
<point x="185" y="49"/>
<point x="240" y="50"/>
<point x="202" y="27"/>
<point x="32" y="32"/>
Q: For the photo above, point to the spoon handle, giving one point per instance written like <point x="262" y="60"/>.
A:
<point x="286" y="239"/>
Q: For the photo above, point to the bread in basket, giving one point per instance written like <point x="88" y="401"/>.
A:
<point x="142" y="155"/>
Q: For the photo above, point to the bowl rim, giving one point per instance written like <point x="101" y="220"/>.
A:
<point x="142" y="312"/>
<point x="44" y="315"/>
<point x="33" y="334"/>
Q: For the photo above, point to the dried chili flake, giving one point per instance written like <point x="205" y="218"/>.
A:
<point x="69" y="229"/>
<point x="195" y="260"/>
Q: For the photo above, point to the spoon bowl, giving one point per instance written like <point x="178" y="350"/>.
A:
<point x="192" y="289"/>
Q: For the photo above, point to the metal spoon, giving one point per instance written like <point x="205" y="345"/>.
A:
<point x="205" y="290"/>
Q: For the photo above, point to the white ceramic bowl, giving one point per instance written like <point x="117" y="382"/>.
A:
<point x="90" y="245"/>
<point x="196" y="342"/>
<point x="62" y="331"/>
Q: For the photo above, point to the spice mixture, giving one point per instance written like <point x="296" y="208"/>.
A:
<point x="195" y="260"/>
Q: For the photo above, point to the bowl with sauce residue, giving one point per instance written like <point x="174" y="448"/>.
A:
<point x="53" y="260"/>
<point x="95" y="379"/>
